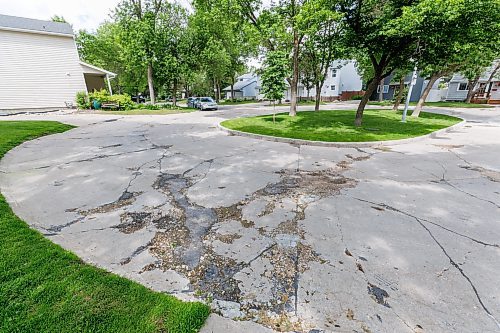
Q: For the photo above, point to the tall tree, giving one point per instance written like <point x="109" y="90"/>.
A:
<point x="173" y="58"/>
<point x="453" y="35"/>
<point x="323" y="32"/>
<point x="368" y="30"/>
<point x="140" y="20"/>
<point x="227" y="38"/>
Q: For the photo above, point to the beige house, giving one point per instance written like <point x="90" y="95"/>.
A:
<point x="40" y="67"/>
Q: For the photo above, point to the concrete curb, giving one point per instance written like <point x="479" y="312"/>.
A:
<point x="342" y="144"/>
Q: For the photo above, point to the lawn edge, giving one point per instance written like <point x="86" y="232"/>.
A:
<point x="64" y="251"/>
<point x="362" y="144"/>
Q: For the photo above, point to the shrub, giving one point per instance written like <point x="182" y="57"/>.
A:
<point x="357" y="97"/>
<point x="124" y="101"/>
<point x="82" y="100"/>
<point x="100" y="96"/>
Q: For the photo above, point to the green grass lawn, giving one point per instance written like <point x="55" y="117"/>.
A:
<point x="44" y="288"/>
<point x="140" y="112"/>
<point x="338" y="126"/>
<point x="437" y="104"/>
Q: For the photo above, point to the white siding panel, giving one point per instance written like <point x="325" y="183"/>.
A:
<point x="38" y="71"/>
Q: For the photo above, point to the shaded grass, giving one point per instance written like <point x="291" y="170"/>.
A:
<point x="338" y="126"/>
<point x="44" y="288"/>
<point x="437" y="104"/>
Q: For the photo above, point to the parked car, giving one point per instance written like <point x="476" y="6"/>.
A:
<point x="192" y="101"/>
<point x="207" y="103"/>
<point x="139" y="99"/>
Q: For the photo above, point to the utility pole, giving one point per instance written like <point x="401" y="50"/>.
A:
<point x="410" y="89"/>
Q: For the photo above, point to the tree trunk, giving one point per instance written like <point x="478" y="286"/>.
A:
<point x="425" y="93"/>
<point x="400" y="94"/>
<point x="372" y="86"/>
<point x="381" y="92"/>
<point x="232" y="90"/>
<point x="471" y="91"/>
<point x="295" y="76"/>
<point x="218" y="91"/>
<point x="150" y="83"/>
<point x="174" y="94"/>
<point x="317" y="100"/>
<point x="492" y="75"/>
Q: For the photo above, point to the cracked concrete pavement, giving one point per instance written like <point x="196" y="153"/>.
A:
<point x="277" y="237"/>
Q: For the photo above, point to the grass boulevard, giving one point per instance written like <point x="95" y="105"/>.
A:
<point x="337" y="126"/>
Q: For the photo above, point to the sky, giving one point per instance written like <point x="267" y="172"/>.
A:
<point x="82" y="14"/>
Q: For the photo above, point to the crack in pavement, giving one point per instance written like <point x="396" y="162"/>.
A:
<point x="452" y="262"/>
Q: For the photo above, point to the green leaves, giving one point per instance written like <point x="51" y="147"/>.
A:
<point x="275" y="72"/>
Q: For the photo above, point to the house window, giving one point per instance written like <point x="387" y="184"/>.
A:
<point x="386" y="89"/>
<point x="463" y="86"/>
<point x="334" y="73"/>
<point x="333" y="87"/>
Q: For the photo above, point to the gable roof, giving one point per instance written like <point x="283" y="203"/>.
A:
<point x="243" y="81"/>
<point x="91" y="69"/>
<point x="15" y="23"/>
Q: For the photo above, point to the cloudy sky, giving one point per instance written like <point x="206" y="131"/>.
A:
<point x="82" y="14"/>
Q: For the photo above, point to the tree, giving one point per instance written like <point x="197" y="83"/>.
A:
<point x="57" y="18"/>
<point x="140" y="20"/>
<point x="453" y="35"/>
<point x="495" y="70"/>
<point x="172" y="49"/>
<point x="227" y="40"/>
<point x="105" y="49"/>
<point x="369" y="34"/>
<point x="323" y="31"/>
<point x="474" y="71"/>
<point x="274" y="76"/>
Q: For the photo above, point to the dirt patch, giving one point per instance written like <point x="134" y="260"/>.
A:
<point x="126" y="199"/>
<point x="492" y="175"/>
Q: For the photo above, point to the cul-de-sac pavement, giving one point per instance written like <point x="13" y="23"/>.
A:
<point x="388" y="238"/>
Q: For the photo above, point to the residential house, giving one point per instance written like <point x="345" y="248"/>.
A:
<point x="342" y="77"/>
<point x="391" y="86"/>
<point x="40" y="67"/>
<point x="458" y="88"/>
<point x="245" y="87"/>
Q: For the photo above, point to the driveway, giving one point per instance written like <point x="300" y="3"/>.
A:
<point x="296" y="238"/>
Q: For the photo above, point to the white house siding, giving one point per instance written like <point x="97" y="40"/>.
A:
<point x="346" y="79"/>
<point x="38" y="70"/>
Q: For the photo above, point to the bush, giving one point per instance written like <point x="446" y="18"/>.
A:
<point x="100" y="96"/>
<point x="124" y="101"/>
<point x="82" y="100"/>
<point x="357" y="97"/>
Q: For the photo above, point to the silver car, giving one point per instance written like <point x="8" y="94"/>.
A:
<point x="207" y="103"/>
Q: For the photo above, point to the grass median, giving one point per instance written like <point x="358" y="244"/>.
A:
<point x="338" y="125"/>
<point x="44" y="288"/>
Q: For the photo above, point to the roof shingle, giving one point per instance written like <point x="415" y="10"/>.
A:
<point x="22" y="23"/>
